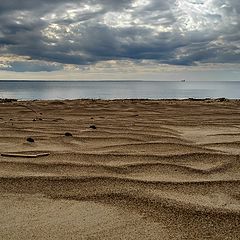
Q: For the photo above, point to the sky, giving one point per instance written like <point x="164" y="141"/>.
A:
<point x="120" y="39"/>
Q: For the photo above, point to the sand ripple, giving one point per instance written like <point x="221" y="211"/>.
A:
<point x="150" y="170"/>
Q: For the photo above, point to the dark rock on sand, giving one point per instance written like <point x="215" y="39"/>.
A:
<point x="30" y="139"/>
<point x="93" y="127"/>
<point x="68" y="134"/>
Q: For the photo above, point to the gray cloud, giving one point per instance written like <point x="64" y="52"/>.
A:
<point x="19" y="66"/>
<point x="175" y="32"/>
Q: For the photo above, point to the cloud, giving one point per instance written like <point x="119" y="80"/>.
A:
<point x="25" y="64"/>
<point x="174" y="32"/>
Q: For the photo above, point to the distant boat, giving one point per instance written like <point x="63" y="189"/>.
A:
<point x="183" y="80"/>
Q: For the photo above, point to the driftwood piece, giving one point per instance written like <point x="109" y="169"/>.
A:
<point x="24" y="155"/>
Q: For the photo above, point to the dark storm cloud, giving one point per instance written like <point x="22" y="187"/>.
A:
<point x="176" y="32"/>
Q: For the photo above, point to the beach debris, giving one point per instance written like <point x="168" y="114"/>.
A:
<point x="93" y="127"/>
<point x="24" y="155"/>
<point x="195" y="99"/>
<point x="68" y="134"/>
<point x="35" y="119"/>
<point x="30" y="139"/>
<point x="7" y="100"/>
<point x="222" y="99"/>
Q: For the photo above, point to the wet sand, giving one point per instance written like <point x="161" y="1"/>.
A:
<point x="150" y="170"/>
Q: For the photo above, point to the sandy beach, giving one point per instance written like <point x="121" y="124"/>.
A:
<point x="121" y="169"/>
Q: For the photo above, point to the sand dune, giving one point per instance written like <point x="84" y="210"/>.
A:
<point x="150" y="170"/>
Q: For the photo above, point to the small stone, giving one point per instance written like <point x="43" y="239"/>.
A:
<point x="30" y="139"/>
<point x="93" y="127"/>
<point x="68" y="134"/>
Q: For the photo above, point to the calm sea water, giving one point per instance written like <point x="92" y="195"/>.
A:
<point x="118" y="89"/>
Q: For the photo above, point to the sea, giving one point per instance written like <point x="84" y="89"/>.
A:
<point x="51" y="90"/>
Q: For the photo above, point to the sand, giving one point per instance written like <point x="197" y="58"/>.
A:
<point x="150" y="170"/>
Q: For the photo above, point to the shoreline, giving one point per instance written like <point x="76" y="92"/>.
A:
<point x="221" y="99"/>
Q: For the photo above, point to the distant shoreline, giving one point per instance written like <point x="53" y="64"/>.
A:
<point x="95" y="80"/>
<point x="7" y="100"/>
